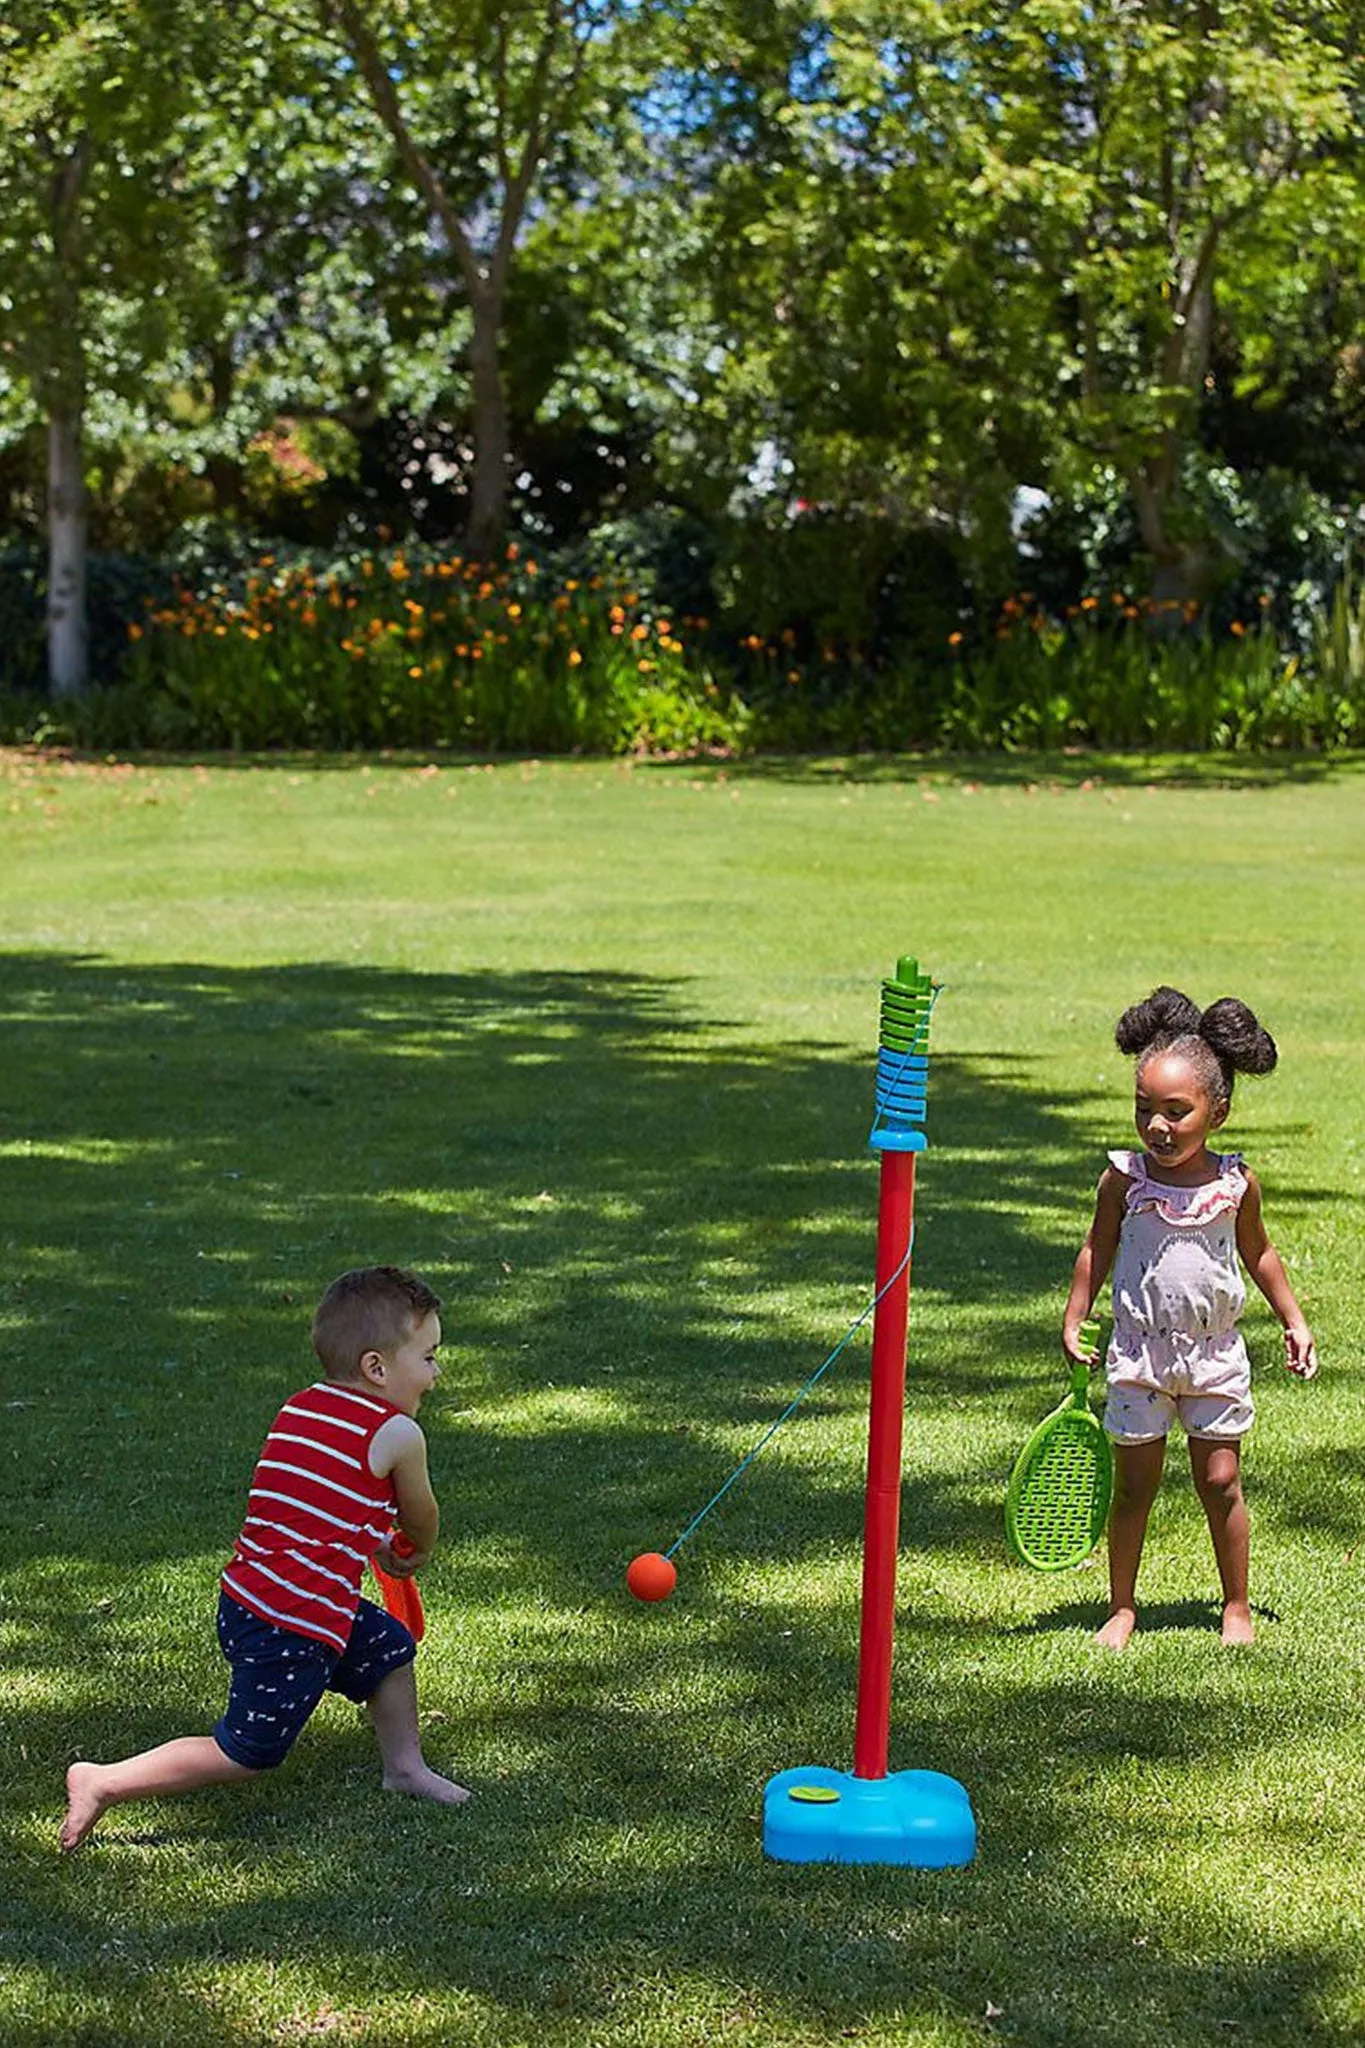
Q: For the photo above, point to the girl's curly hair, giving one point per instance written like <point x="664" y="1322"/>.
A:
<point x="1225" y="1040"/>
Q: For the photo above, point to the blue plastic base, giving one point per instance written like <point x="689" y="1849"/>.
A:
<point x="817" y="1815"/>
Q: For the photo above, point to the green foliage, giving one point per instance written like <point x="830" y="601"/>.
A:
<point x="955" y="250"/>
<point x="121" y="587"/>
<point x="412" y="650"/>
<point x="1137" y="682"/>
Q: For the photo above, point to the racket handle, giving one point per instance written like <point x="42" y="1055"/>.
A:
<point x="1092" y="1336"/>
<point x="402" y="1597"/>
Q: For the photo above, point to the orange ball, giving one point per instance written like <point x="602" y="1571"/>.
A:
<point x="651" y="1576"/>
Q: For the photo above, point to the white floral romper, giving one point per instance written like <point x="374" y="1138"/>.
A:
<point x="1178" y="1291"/>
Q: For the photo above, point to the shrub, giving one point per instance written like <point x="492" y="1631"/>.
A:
<point x="409" y="651"/>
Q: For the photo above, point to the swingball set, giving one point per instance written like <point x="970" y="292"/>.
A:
<point x="814" y="1813"/>
<point x="1056" y="1506"/>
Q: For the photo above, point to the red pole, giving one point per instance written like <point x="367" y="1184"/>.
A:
<point x="881" y="1526"/>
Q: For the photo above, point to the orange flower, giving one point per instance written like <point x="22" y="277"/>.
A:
<point x="575" y="658"/>
<point x="954" y="639"/>
<point x="1237" y="628"/>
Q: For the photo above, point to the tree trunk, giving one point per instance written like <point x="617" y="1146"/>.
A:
<point x="68" y="663"/>
<point x="68" y="666"/>
<point x="488" y="498"/>
<point x="224" y="471"/>
<point x="1183" y="569"/>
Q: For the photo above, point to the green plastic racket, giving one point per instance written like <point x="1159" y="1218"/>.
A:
<point x="1057" y="1501"/>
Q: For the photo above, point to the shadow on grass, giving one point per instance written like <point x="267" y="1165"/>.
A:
<point x="1072" y="769"/>
<point x="1069" y="770"/>
<point x="646" y="1236"/>
<point x="1159" y="1617"/>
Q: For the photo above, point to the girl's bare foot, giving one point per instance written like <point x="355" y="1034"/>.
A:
<point x="1116" y="1631"/>
<point x="84" y="1804"/>
<point x="1238" y="1626"/>
<point x="423" y="1783"/>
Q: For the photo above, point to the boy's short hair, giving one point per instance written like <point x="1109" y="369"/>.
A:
<point x="370" y="1309"/>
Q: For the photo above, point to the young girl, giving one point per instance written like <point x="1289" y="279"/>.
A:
<point x="1172" y="1219"/>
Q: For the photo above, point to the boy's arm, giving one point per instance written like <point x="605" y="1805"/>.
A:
<point x="398" y="1450"/>
<point x="1266" y="1268"/>
<point x="1093" y="1261"/>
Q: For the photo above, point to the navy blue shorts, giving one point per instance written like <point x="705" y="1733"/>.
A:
<point x="278" y="1676"/>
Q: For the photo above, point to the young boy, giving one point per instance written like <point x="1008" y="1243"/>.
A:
<point x="344" y="1460"/>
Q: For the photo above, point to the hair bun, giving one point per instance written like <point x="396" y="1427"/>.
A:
<point x="1237" y="1036"/>
<point x="1165" y="1013"/>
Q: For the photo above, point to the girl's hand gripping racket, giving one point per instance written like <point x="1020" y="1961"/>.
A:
<point x="401" y="1596"/>
<point x="1057" y="1501"/>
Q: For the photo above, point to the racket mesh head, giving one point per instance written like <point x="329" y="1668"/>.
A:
<point x="1060" y="1498"/>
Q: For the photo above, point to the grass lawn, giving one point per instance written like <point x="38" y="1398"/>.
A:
<point x="592" y="1046"/>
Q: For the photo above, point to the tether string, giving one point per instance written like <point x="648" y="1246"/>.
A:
<point x="794" y="1404"/>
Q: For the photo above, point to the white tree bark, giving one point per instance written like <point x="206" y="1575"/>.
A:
<point x="68" y="666"/>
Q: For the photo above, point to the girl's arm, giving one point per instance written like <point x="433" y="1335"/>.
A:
<point x="1095" y="1258"/>
<point x="398" y="1448"/>
<point x="1266" y="1268"/>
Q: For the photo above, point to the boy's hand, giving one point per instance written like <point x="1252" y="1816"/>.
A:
<point x="1300" y="1354"/>
<point x="400" y="1563"/>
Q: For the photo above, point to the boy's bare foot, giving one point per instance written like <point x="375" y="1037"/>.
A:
<point x="1238" y="1626"/>
<point x="1116" y="1631"/>
<point x="423" y="1783"/>
<point x="84" y="1804"/>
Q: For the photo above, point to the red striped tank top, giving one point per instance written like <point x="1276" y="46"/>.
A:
<point x="315" y="1514"/>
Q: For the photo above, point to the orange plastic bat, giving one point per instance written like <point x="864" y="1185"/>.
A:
<point x="401" y="1597"/>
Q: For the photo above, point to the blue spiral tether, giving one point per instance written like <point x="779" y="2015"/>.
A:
<point x="903" y="1060"/>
